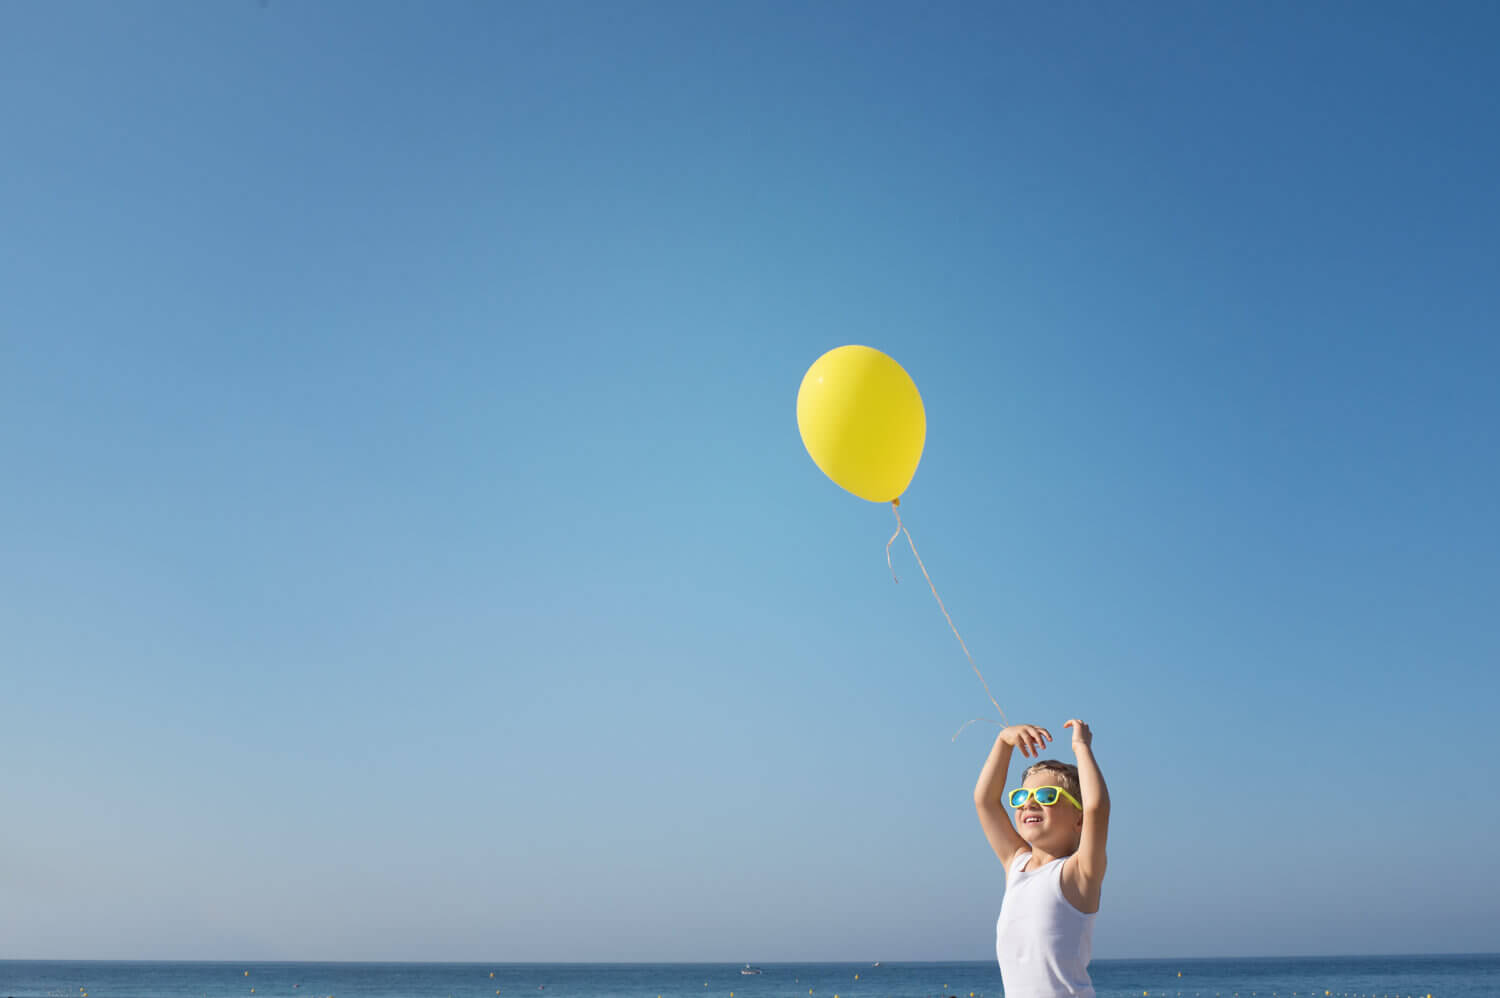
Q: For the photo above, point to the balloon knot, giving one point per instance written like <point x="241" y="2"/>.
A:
<point x="896" y="501"/>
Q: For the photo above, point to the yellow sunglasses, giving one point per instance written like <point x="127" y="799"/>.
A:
<point x="1045" y="796"/>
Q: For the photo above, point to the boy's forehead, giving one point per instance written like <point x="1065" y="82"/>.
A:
<point x="1042" y="778"/>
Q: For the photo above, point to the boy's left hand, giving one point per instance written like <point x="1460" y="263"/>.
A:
<point x="1082" y="736"/>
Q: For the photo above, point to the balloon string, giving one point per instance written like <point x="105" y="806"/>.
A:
<point x="972" y="720"/>
<point x="901" y="529"/>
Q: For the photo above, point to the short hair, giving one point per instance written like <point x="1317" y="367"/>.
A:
<point x="1067" y="775"/>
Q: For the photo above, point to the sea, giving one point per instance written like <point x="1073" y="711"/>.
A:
<point x="1473" y="976"/>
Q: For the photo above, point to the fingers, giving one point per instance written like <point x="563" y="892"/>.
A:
<point x="1031" y="739"/>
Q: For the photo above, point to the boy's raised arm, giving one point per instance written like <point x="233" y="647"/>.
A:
<point x="989" y="792"/>
<point x="1090" y="858"/>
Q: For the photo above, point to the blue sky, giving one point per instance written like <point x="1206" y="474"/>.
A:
<point x="409" y="553"/>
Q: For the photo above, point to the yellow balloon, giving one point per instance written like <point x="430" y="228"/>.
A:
<point x="862" y="421"/>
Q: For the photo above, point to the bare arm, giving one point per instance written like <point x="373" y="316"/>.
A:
<point x="1086" y="876"/>
<point x="989" y="792"/>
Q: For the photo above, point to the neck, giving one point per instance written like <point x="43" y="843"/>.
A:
<point x="1041" y="856"/>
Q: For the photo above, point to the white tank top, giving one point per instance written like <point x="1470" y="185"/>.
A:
<point x="1043" y="943"/>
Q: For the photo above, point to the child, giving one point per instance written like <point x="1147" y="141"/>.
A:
<point x="1054" y="861"/>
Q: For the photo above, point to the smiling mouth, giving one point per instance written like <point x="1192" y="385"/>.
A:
<point x="1032" y="819"/>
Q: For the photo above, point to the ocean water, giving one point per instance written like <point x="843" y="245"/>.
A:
<point x="1303" y="977"/>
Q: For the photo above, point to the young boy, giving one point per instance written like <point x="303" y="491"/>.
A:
<point x="1054" y="861"/>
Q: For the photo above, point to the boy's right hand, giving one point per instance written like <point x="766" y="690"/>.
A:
<point x="1029" y="738"/>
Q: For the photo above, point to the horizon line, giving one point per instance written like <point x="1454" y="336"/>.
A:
<point x="733" y="963"/>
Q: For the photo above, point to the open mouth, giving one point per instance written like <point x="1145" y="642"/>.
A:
<point x="1032" y="819"/>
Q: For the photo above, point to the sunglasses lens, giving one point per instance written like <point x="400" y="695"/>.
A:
<point x="1018" y="797"/>
<point x="1046" y="795"/>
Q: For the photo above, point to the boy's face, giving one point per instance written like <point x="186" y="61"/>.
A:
<point x="1052" y="828"/>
